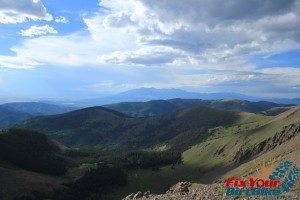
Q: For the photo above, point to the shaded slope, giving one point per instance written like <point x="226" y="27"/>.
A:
<point x="142" y="109"/>
<point x="9" y="117"/>
<point x="20" y="184"/>
<point x="32" y="151"/>
<point x="108" y="129"/>
<point x="32" y="166"/>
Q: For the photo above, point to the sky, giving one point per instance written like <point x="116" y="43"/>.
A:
<point x="74" y="49"/>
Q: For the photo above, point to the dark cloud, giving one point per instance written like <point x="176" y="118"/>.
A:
<point x="213" y="11"/>
<point x="24" y="6"/>
<point x="16" y="11"/>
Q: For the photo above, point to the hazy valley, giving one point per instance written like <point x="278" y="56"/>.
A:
<point x="143" y="145"/>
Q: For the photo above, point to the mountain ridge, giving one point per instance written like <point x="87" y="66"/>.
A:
<point x="161" y="107"/>
<point x="98" y="126"/>
<point x="9" y="116"/>
<point x="147" y="94"/>
<point x="38" y="108"/>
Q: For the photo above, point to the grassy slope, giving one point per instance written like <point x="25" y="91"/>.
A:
<point x="207" y="161"/>
<point x="288" y="151"/>
<point x="276" y="111"/>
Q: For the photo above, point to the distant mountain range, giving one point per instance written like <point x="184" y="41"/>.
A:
<point x="12" y="113"/>
<point x="9" y="116"/>
<point x="161" y="107"/>
<point x="117" y="128"/>
<point x="148" y="94"/>
<point x="38" y="108"/>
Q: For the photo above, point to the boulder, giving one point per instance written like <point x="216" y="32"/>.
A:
<point x="147" y="193"/>
<point x="181" y="187"/>
<point x="138" y="195"/>
<point x="129" y="197"/>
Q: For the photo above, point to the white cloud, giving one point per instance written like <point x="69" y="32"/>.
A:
<point x="75" y="51"/>
<point x="119" y="19"/>
<point x="1" y="81"/>
<point x="136" y="32"/>
<point x="145" y="57"/>
<point x="209" y="31"/>
<point x="38" y="30"/>
<point x="283" y="76"/>
<point x="61" y="19"/>
<point x="18" y="62"/>
<point x="14" y="11"/>
<point x="265" y="82"/>
<point x="175" y="36"/>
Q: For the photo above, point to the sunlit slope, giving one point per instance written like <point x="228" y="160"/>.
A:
<point x="222" y="154"/>
<point x="230" y="147"/>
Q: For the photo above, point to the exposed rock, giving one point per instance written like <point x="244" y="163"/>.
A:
<point x="208" y="192"/>
<point x="180" y="187"/>
<point x="280" y="137"/>
<point x="129" y="197"/>
<point x="147" y="194"/>
<point x="138" y="195"/>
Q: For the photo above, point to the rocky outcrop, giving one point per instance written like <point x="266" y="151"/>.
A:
<point x="284" y="135"/>
<point x="202" y="192"/>
<point x="138" y="195"/>
<point x="181" y="187"/>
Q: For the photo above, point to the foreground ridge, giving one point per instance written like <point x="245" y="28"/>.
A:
<point x="188" y="191"/>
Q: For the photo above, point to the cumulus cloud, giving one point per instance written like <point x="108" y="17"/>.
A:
<point x="43" y="50"/>
<point x="218" y="37"/>
<point x="210" y="30"/>
<point x="14" y="11"/>
<point x="214" y="11"/>
<point x="119" y="19"/>
<point x="61" y="19"/>
<point x="38" y="30"/>
<point x="194" y="34"/>
<point x="146" y="56"/>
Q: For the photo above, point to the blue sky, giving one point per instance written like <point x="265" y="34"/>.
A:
<point x="71" y="49"/>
